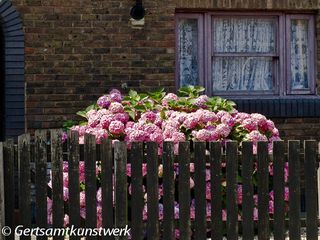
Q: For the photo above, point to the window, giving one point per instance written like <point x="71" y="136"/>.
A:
<point x="246" y="53"/>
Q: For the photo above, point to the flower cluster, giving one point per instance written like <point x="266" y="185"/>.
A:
<point x="163" y="120"/>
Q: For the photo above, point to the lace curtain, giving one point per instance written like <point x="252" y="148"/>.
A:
<point x="252" y="37"/>
<point x="243" y="35"/>
<point x="299" y="54"/>
<point x="188" y="52"/>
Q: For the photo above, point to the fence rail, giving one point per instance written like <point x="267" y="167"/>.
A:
<point x="226" y="165"/>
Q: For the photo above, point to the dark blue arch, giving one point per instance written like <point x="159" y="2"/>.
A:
<point x="13" y="66"/>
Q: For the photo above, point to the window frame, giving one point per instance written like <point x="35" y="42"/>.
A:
<point x="311" y="56"/>
<point x="201" y="70"/>
<point x="281" y="58"/>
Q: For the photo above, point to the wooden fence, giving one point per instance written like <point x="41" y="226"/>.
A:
<point x="45" y="148"/>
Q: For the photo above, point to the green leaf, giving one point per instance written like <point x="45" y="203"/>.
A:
<point x="132" y="115"/>
<point x="82" y="186"/>
<point x="140" y="107"/>
<point x="132" y="93"/>
<point x="82" y="114"/>
<point x="91" y="107"/>
<point x="143" y="96"/>
<point x="163" y="114"/>
<point x="68" y="124"/>
<point x="83" y="123"/>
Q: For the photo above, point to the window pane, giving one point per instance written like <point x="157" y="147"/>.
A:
<point x="244" y="35"/>
<point x="299" y="54"/>
<point x="188" y="52"/>
<point x="242" y="73"/>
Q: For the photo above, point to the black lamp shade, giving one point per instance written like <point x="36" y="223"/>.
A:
<point x="137" y="12"/>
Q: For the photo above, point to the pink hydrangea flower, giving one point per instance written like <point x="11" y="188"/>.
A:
<point x="208" y="116"/>
<point x="271" y="207"/>
<point x="99" y="195"/>
<point x="203" y="135"/>
<point x="116" y="107"/>
<point x="49" y="210"/>
<point x="255" y="136"/>
<point x="122" y="117"/>
<point x="169" y="97"/>
<point x="249" y="124"/>
<point x="149" y="116"/>
<point x="286" y="194"/>
<point x="64" y="137"/>
<point x="65" y="194"/>
<point x="240" y="117"/>
<point x="208" y="191"/>
<point x="115" y="96"/>
<point x="191" y="122"/>
<point x="104" y="101"/>
<point x="239" y="194"/>
<point x="66" y="220"/>
<point x="129" y="124"/>
<point x="223" y="130"/>
<point x="258" y="118"/>
<point x="114" y="90"/>
<point x="136" y="135"/>
<point x="116" y="127"/>
<point x="201" y="101"/>
<point x="156" y="137"/>
<point x="82" y="199"/>
<point x="222" y="113"/>
<point x="228" y="120"/>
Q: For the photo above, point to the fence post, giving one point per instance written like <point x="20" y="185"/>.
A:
<point x="121" y="208"/>
<point x="311" y="188"/>
<point x="294" y="190"/>
<point x="2" y="208"/>
<point x="9" y="186"/>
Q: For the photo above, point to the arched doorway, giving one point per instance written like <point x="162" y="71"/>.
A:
<point x="12" y="100"/>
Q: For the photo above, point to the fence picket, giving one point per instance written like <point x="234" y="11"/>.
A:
<point x="40" y="154"/>
<point x="200" y="190"/>
<point x="216" y="203"/>
<point x="9" y="197"/>
<point x="73" y="170"/>
<point x="232" y="208"/>
<point x="184" y="190"/>
<point x="263" y="191"/>
<point x="136" y="159"/>
<point x="107" y="185"/>
<point x="311" y="188"/>
<point x="57" y="180"/>
<point x="294" y="190"/>
<point x="25" y="203"/>
<point x="247" y="191"/>
<point x="90" y="158"/>
<point x="168" y="191"/>
<point x="152" y="196"/>
<point x="121" y="208"/>
<point x="278" y="185"/>
<point x="2" y="205"/>
<point x="25" y="197"/>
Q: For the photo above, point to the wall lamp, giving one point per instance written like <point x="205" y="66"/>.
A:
<point x="137" y="11"/>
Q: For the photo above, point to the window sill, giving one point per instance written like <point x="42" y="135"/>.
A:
<point x="289" y="106"/>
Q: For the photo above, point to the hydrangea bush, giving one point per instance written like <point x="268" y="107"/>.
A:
<point x="159" y="117"/>
<point x="163" y="117"/>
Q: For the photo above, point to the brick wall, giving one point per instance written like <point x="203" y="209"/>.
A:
<point x="78" y="49"/>
<point x="298" y="128"/>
